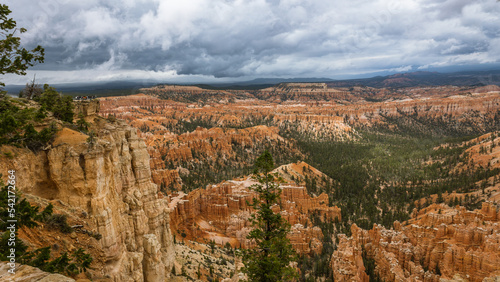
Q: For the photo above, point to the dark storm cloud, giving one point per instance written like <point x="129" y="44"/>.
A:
<point x="98" y="39"/>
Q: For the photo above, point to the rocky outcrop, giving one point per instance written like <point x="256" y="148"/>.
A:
<point x="304" y="92"/>
<point x="26" y="273"/>
<point x="439" y="242"/>
<point x="347" y="261"/>
<point x="86" y="108"/>
<point x="194" y="94"/>
<point x="109" y="179"/>
<point x="220" y="213"/>
<point x="212" y="149"/>
<point x="483" y="151"/>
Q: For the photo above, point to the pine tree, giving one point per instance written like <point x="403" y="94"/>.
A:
<point x="13" y="58"/>
<point x="270" y="259"/>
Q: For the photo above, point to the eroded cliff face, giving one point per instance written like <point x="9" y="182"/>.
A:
<point x="110" y="180"/>
<point x="218" y="135"/>
<point x="221" y="213"/>
<point x="438" y="244"/>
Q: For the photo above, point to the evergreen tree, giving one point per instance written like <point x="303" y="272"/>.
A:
<point x="60" y="105"/>
<point x="82" y="124"/>
<point x="13" y="58"/>
<point x="270" y="259"/>
<point x="25" y="213"/>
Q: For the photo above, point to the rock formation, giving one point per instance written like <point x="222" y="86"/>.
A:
<point x="439" y="242"/>
<point x="173" y="141"/>
<point x="220" y="213"/>
<point x="187" y="125"/>
<point x="108" y="179"/>
<point x="26" y="273"/>
<point x="87" y="108"/>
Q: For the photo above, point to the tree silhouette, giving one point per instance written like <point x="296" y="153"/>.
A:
<point x="270" y="259"/>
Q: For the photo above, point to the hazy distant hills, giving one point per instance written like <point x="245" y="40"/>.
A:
<point x="422" y="78"/>
<point x="110" y="88"/>
<point x="119" y="88"/>
<point x="410" y="79"/>
<point x="260" y="83"/>
<point x="281" y="80"/>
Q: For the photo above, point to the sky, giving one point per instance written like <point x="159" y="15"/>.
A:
<point x="236" y="40"/>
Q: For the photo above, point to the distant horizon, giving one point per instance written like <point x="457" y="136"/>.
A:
<point x="241" y="81"/>
<point x="484" y="77"/>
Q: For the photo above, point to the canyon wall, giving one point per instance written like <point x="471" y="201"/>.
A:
<point x="221" y="213"/>
<point x="109" y="180"/>
<point x="439" y="243"/>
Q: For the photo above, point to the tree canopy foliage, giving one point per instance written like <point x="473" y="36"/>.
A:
<point x="270" y="259"/>
<point x="14" y="58"/>
<point x="18" y="118"/>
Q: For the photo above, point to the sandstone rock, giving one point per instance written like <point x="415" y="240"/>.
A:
<point x="86" y="108"/>
<point x="453" y="244"/>
<point x="221" y="213"/>
<point x="154" y="269"/>
<point x="111" y="182"/>
<point x="26" y="273"/>
<point x="347" y="263"/>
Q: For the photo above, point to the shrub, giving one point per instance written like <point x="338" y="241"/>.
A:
<point x="46" y="213"/>
<point x="111" y="118"/>
<point x="16" y="126"/>
<point x="37" y="140"/>
<point x="58" y="221"/>
<point x="8" y="155"/>
<point x="82" y="260"/>
<point x="61" y="106"/>
<point x="5" y="248"/>
<point x="25" y="213"/>
<point x="82" y="124"/>
<point x="41" y="114"/>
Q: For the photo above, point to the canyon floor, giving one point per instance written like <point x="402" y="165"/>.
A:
<point x="391" y="184"/>
<point x="380" y="156"/>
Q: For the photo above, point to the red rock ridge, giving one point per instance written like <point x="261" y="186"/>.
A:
<point x="439" y="242"/>
<point x="221" y="213"/>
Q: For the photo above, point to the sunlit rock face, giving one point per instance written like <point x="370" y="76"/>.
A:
<point x="438" y="244"/>
<point x="221" y="212"/>
<point x="110" y="180"/>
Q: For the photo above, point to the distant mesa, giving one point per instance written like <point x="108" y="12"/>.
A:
<point x="486" y="89"/>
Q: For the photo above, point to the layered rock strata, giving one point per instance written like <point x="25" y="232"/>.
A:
<point x="109" y="179"/>
<point x="221" y="212"/>
<point x="438" y="244"/>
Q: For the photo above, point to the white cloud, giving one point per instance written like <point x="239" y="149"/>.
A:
<point x="98" y="22"/>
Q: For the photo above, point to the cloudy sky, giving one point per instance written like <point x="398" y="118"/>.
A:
<point x="228" y="40"/>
